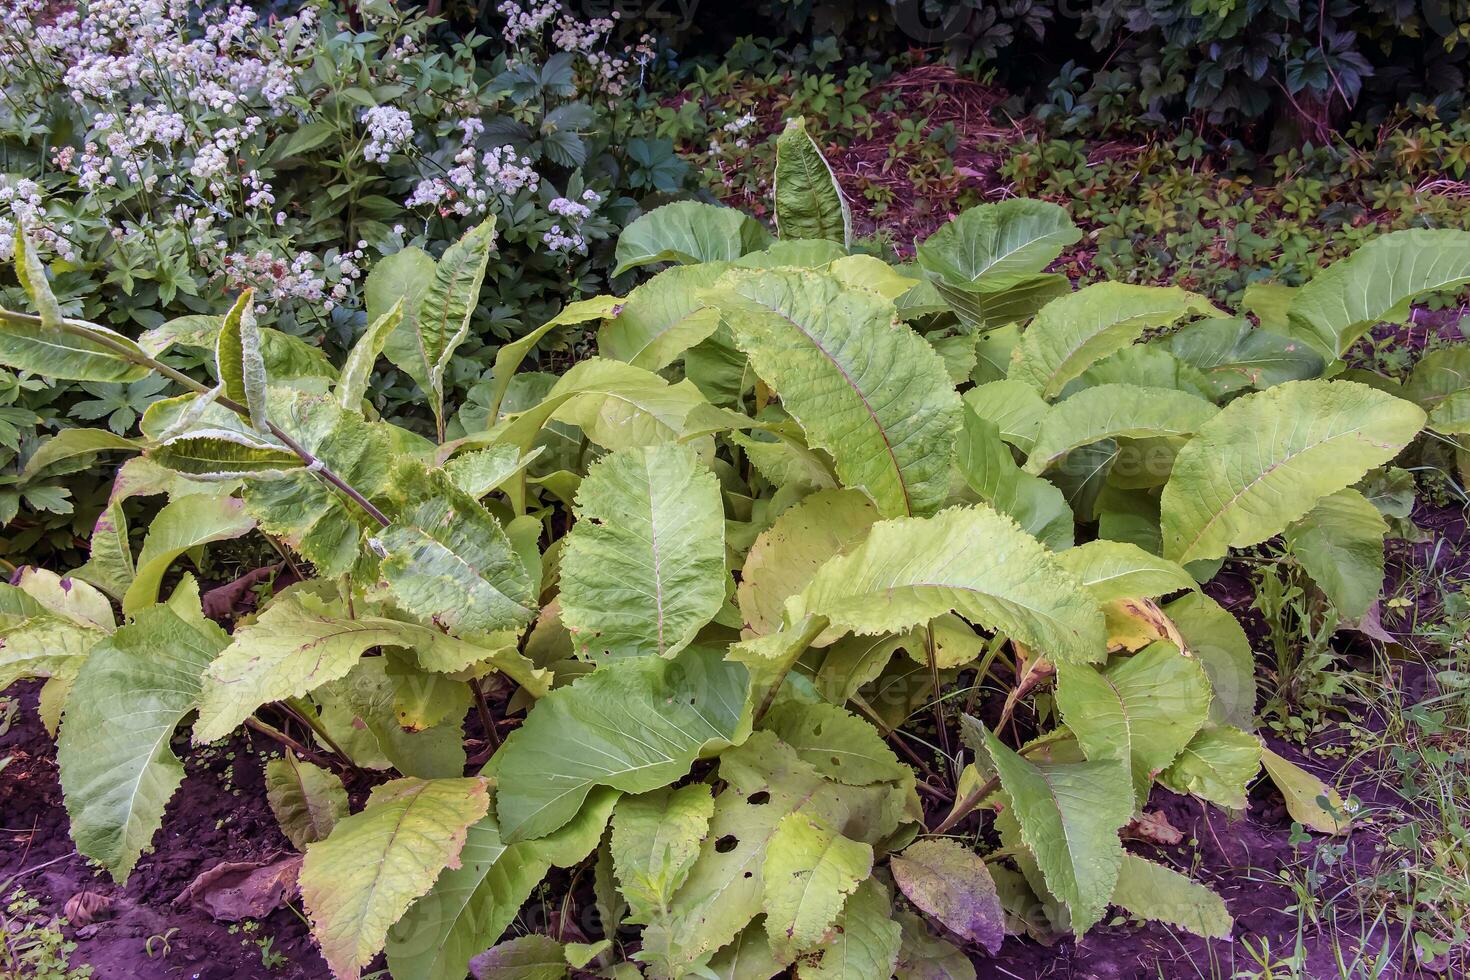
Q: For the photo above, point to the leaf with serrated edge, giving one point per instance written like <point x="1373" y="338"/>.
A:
<point x="809" y="871"/>
<point x="871" y="393"/>
<point x="866" y="941"/>
<point x="1142" y="709"/>
<point x="1074" y="331"/>
<point x="647" y="718"/>
<point x="787" y="554"/>
<point x="374" y="864"/>
<point x="117" y="770"/>
<point x="530" y="957"/>
<point x="1340" y="544"/>
<point x="1114" y="411"/>
<point x="969" y="560"/>
<point x="1159" y="894"/>
<point x="1118" y="570"/>
<point x="655" y="839"/>
<point x="238" y="359"/>
<point x="1216" y="765"/>
<point x="809" y="201"/>
<point x="1269" y="456"/>
<point x="471" y="905"/>
<point x="1069" y="814"/>
<point x="306" y="799"/>
<point x="644" y="566"/>
<point x="688" y="232"/>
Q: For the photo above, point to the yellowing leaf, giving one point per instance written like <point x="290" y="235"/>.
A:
<point x="1159" y="894"/>
<point x="365" y="875"/>
<point x="308" y="801"/>
<point x="809" y="871"/>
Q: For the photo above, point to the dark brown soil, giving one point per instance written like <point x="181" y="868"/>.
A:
<point x="219" y="814"/>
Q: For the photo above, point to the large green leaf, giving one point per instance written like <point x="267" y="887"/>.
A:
<point x="991" y="472"/>
<point x="986" y="262"/>
<point x="969" y="560"/>
<point x="238" y="359"/>
<point x="221" y="454"/>
<point x="644" y="567"/>
<point x="366" y="874"/>
<point x="787" y="554"/>
<point x="1069" y="814"/>
<point x="508" y="359"/>
<point x="809" y="871"/>
<point x="56" y="348"/>
<point x="117" y="770"/>
<point x="662" y="318"/>
<point x="689" y="232"/>
<point x="617" y="406"/>
<point x="1142" y="710"/>
<point x="70" y="443"/>
<point x="1073" y="332"/>
<point x="302" y="642"/>
<point x="441" y="319"/>
<point x="447" y="559"/>
<point x="1014" y="407"/>
<point x="873" y="395"/>
<point x="1234" y="355"/>
<point x="1114" y="411"/>
<point x="529" y="957"/>
<point x="648" y="718"/>
<point x="1159" y="894"/>
<point x="809" y="201"/>
<point x="1377" y="283"/>
<point x="1340" y="544"/>
<point x="1439" y="375"/>
<point x="655" y="839"/>
<point x="471" y="905"/>
<point x="1269" y="456"/>
<point x="301" y="508"/>
<point x="181" y="525"/>
<point x="402" y="277"/>
<point x="358" y="369"/>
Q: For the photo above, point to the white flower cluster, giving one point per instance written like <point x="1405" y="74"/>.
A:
<point x="575" y="212"/>
<point x="169" y="95"/>
<point x="389" y="131"/>
<point x="469" y="185"/>
<point x="272" y="277"/>
<point x="21" y="205"/>
<point x="528" y="20"/>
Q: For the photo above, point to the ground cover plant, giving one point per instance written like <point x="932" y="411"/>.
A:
<point x="853" y="609"/>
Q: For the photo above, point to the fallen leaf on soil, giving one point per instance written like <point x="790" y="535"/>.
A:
<point x="84" y="908"/>
<point x="235" y="890"/>
<point x="1154" y="827"/>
